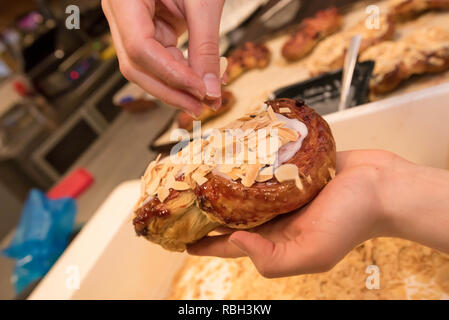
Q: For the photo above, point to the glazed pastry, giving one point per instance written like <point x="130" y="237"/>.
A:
<point x="185" y="121"/>
<point x="407" y="9"/>
<point x="426" y="51"/>
<point x="310" y="32"/>
<point x="330" y="53"/>
<point x="187" y="195"/>
<point x="250" y="56"/>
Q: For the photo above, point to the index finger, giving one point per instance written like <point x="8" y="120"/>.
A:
<point x="134" y="19"/>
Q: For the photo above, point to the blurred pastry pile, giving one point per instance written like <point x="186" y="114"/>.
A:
<point x="407" y="271"/>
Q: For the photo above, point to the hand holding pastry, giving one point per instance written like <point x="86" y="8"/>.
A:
<point x="374" y="194"/>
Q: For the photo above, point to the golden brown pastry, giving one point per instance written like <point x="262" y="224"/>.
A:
<point x="182" y="201"/>
<point x="426" y="51"/>
<point x="310" y="32"/>
<point x="330" y="53"/>
<point x="250" y="56"/>
<point x="185" y="120"/>
<point x="408" y="9"/>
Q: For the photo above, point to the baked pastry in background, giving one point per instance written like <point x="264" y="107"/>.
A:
<point x="185" y="120"/>
<point x="247" y="57"/>
<point x="408" y="9"/>
<point x="426" y="51"/>
<point x="183" y="198"/>
<point x="329" y="55"/>
<point x="310" y="32"/>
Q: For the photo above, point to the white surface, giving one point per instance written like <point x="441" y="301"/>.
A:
<point x="114" y="263"/>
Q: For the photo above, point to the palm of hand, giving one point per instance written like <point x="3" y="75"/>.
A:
<point x="317" y="236"/>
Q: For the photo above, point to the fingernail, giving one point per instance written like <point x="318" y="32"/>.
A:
<point x="214" y="104"/>
<point x="213" y="86"/>
<point x="239" y="245"/>
<point x="193" y="114"/>
<point x="196" y="93"/>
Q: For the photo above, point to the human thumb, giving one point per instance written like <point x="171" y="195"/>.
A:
<point x="259" y="249"/>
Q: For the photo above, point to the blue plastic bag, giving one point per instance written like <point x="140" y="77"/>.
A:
<point x="40" y="237"/>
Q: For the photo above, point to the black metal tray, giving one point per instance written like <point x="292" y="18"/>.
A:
<point x="323" y="92"/>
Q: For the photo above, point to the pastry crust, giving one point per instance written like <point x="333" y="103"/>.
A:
<point x="310" y="32"/>
<point x="250" y="56"/>
<point x="426" y="51"/>
<point x="174" y="213"/>
<point x="185" y="121"/>
<point x="408" y="9"/>
<point x="330" y="53"/>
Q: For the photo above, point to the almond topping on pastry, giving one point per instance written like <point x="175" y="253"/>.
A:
<point x="288" y="172"/>
<point x="223" y="66"/>
<point x="331" y="172"/>
<point x="251" y="173"/>
<point x="180" y="186"/>
<point x="285" y="110"/>
<point x="162" y="194"/>
<point x="199" y="179"/>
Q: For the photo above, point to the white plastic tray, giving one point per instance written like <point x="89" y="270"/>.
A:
<point x="114" y="264"/>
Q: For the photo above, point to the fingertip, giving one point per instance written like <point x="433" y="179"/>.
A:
<point x="213" y="86"/>
<point x="199" y="93"/>
<point x="193" y="249"/>
<point x="238" y="244"/>
<point x="214" y="104"/>
<point x="193" y="109"/>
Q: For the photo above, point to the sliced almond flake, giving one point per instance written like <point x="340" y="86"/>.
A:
<point x="262" y="124"/>
<point x="285" y="110"/>
<point x="164" y="169"/>
<point x="263" y="178"/>
<point x="288" y="134"/>
<point x="191" y="168"/>
<point x="163" y="193"/>
<point x="235" y="174"/>
<point x="251" y="173"/>
<point x="251" y="124"/>
<point x="276" y="124"/>
<point x="223" y="66"/>
<point x="180" y="186"/>
<point x="142" y="186"/>
<point x="170" y="180"/>
<point x="267" y="171"/>
<point x="199" y="179"/>
<point x="188" y="179"/>
<point x="154" y="184"/>
<point x="331" y="172"/>
<point x="298" y="183"/>
<point x="226" y="168"/>
<point x="177" y="169"/>
<point x="286" y="172"/>
<point x="148" y="199"/>
<point x="271" y="114"/>
<point x="205" y="168"/>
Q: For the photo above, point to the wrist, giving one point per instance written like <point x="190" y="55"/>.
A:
<point x="414" y="203"/>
